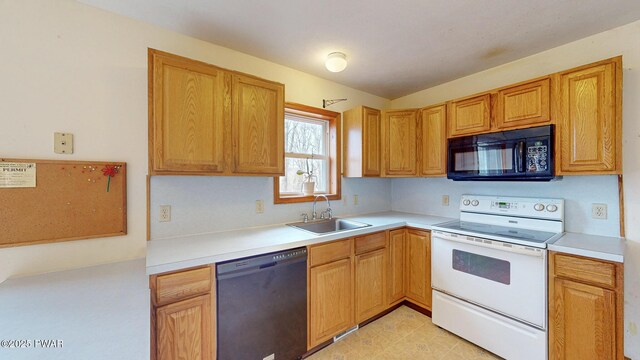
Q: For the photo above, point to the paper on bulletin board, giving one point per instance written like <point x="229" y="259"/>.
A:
<point x="17" y="175"/>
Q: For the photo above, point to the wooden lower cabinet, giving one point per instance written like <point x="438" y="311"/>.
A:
<point x="330" y="300"/>
<point x="418" y="267"/>
<point x="184" y="330"/>
<point x="396" y="266"/>
<point x="585" y="308"/>
<point x="183" y="315"/>
<point x="370" y="284"/>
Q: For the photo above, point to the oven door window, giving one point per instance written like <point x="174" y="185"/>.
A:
<point x="493" y="269"/>
<point x="487" y="159"/>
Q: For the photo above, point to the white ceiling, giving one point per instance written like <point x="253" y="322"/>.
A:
<point x="394" y="48"/>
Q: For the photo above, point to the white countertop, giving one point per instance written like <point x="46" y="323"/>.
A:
<point x="172" y="254"/>
<point x="177" y="253"/>
<point x="599" y="247"/>
<point x="99" y="313"/>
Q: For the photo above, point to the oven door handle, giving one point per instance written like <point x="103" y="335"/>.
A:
<point x="492" y="244"/>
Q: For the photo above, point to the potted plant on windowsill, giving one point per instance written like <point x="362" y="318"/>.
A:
<point x="308" y="184"/>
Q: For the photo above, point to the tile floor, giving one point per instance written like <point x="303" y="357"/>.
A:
<point x="403" y="334"/>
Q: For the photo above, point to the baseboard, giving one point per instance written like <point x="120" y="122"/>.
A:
<point x="416" y="307"/>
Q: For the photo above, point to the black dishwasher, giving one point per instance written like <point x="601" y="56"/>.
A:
<point x="262" y="307"/>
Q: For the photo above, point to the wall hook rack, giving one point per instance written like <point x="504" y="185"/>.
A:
<point x="326" y="103"/>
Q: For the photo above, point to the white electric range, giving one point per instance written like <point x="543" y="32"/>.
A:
<point x="489" y="272"/>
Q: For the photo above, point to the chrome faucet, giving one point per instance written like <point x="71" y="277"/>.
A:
<point x="329" y="212"/>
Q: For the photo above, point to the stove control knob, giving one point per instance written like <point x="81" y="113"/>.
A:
<point x="538" y="207"/>
<point x="466" y="202"/>
<point x="552" y="208"/>
<point x="475" y="202"/>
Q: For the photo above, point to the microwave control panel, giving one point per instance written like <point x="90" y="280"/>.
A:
<point x="538" y="156"/>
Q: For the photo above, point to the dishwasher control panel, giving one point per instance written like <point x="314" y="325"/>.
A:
<point x="289" y="255"/>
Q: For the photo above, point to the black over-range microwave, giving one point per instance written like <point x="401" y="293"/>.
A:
<point x="525" y="155"/>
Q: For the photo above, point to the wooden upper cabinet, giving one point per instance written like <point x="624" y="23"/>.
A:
<point x="362" y="140"/>
<point x="433" y="141"/>
<point x="204" y="120"/>
<point x="257" y="126"/>
<point x="589" y="118"/>
<point x="186" y="127"/>
<point x="184" y="330"/>
<point x="469" y="115"/>
<point x="400" y="143"/>
<point x="523" y="105"/>
<point x="418" y="267"/>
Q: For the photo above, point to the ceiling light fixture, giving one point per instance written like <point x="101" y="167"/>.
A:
<point x="336" y="62"/>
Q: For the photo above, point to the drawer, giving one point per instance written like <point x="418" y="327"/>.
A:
<point x="371" y="242"/>
<point x="181" y="285"/>
<point x="326" y="253"/>
<point x="588" y="270"/>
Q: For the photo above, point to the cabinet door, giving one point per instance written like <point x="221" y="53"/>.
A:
<point x="186" y="121"/>
<point x="469" y="116"/>
<point x="257" y="126"/>
<point x="582" y="322"/>
<point x="370" y="284"/>
<point x="371" y="142"/>
<point x="433" y="128"/>
<point x="400" y="143"/>
<point x="330" y="301"/>
<point x="396" y="265"/>
<point x="418" y="267"/>
<point x="589" y="119"/>
<point x="184" y="330"/>
<point x="523" y="105"/>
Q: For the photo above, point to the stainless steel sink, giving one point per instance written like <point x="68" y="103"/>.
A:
<point x="328" y="226"/>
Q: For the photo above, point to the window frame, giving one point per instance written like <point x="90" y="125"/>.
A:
<point x="334" y="153"/>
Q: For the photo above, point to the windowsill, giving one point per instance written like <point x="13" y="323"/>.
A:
<point x="289" y="199"/>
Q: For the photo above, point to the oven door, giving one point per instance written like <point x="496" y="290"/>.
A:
<point x="506" y="278"/>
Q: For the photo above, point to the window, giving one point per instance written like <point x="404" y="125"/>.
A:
<point x="312" y="143"/>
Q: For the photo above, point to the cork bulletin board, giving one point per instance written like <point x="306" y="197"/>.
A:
<point x="43" y="201"/>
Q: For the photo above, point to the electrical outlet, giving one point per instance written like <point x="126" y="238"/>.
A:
<point x="259" y="206"/>
<point x="355" y="200"/>
<point x="345" y="200"/>
<point x="599" y="211"/>
<point x="165" y="213"/>
<point x="445" y="200"/>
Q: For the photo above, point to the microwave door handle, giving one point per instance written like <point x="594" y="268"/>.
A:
<point x="518" y="155"/>
<point x="521" y="145"/>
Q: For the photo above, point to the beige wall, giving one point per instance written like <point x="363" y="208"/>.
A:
<point x="623" y="41"/>
<point x="69" y="67"/>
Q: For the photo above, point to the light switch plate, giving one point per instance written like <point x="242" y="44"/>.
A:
<point x="63" y="143"/>
<point x="259" y="206"/>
